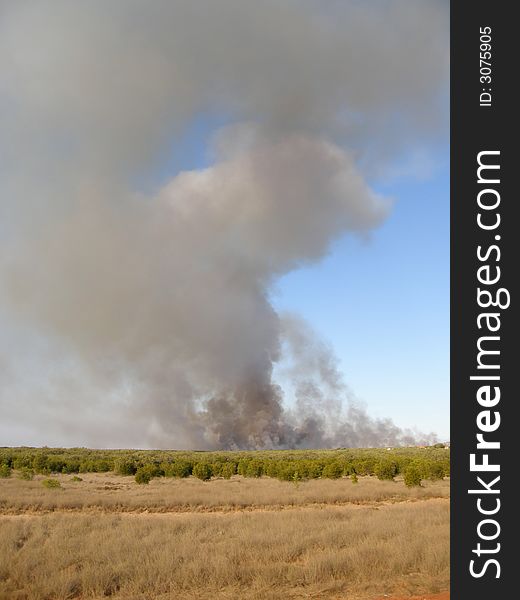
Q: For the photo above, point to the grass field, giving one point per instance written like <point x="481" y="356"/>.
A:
<point x="107" y="536"/>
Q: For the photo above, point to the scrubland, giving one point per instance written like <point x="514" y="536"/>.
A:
<point x="251" y="538"/>
<point x="116" y="493"/>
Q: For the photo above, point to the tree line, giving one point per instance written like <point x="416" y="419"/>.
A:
<point x="414" y="464"/>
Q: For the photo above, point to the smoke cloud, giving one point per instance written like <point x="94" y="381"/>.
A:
<point x="140" y="314"/>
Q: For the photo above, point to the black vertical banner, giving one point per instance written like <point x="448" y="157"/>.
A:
<point x="484" y="269"/>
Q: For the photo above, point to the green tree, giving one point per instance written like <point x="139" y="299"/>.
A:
<point x="255" y="468"/>
<point x="125" y="466"/>
<point x="202" y="471"/>
<point x="435" y="471"/>
<point x="412" y="476"/>
<point x="228" y="469"/>
<point x="179" y="468"/>
<point x="333" y="470"/>
<point x="5" y="471"/>
<point x="144" y="475"/>
<point x="385" y="470"/>
<point x="26" y="473"/>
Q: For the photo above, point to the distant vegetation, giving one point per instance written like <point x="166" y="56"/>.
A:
<point x="415" y="464"/>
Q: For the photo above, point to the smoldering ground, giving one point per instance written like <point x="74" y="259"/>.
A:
<point x="139" y="313"/>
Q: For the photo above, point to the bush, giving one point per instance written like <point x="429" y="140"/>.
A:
<point x="296" y="478"/>
<point x="354" y="478"/>
<point x="333" y="470"/>
<point x="255" y="468"/>
<point x="243" y="463"/>
<point x="273" y="468"/>
<point x="313" y="469"/>
<point x="71" y="467"/>
<point x="179" y="468"/>
<point x="385" y="470"/>
<point x="26" y="473"/>
<point x="51" y="483"/>
<point x="125" y="467"/>
<point x="5" y="471"/>
<point x="22" y="461"/>
<point x="202" y="471"/>
<point x="55" y="465"/>
<point x="412" y="476"/>
<point x="227" y="470"/>
<point x="39" y="463"/>
<point x="143" y="475"/>
<point x="286" y="471"/>
<point x="435" y="471"/>
<point x="76" y="478"/>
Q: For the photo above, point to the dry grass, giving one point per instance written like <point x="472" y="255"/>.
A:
<point x="109" y="492"/>
<point x="237" y="555"/>
<point x="318" y="547"/>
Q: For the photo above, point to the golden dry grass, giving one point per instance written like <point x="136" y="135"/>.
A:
<point x="109" y="492"/>
<point x="320" y="546"/>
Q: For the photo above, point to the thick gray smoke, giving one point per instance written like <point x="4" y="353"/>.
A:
<point x="138" y="313"/>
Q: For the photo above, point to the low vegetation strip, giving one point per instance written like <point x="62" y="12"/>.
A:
<point x="414" y="464"/>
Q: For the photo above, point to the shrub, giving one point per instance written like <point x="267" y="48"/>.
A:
<point x="39" y="463"/>
<point x="143" y="475"/>
<point x="155" y="469"/>
<point x="273" y="468"/>
<point x="103" y="466"/>
<point x="311" y="469"/>
<point x="243" y="463"/>
<point x="76" y="478"/>
<point x="286" y="471"/>
<point x="348" y="469"/>
<point x="71" y="467"/>
<point x="55" y="465"/>
<point x="26" y="473"/>
<point x="435" y="471"/>
<point x="178" y="468"/>
<point x="5" y="471"/>
<point x="228" y="469"/>
<point x="125" y="467"/>
<point x="202" y="471"/>
<point x="412" y="476"/>
<point x="87" y="466"/>
<point x="365" y="466"/>
<point x="21" y="462"/>
<point x="51" y="483"/>
<point x="354" y="478"/>
<point x="333" y="470"/>
<point x="296" y="478"/>
<point x="385" y="470"/>
<point x="216" y="468"/>
<point x="255" y="468"/>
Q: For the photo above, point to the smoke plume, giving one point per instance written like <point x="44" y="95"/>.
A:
<point x="135" y="301"/>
